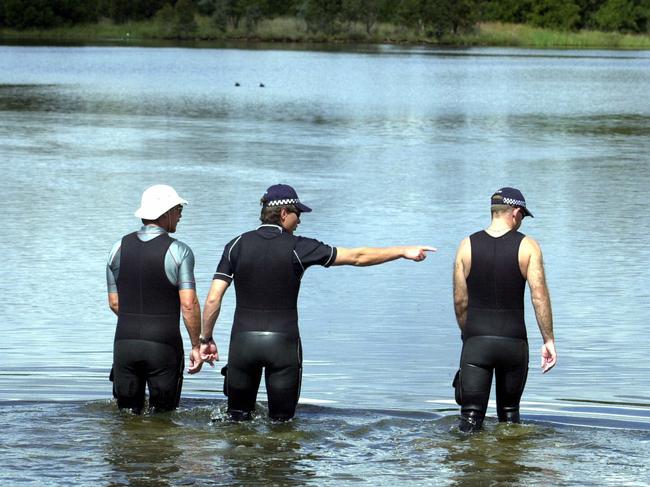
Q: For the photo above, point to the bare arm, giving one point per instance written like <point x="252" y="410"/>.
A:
<point x="461" y="271"/>
<point x="211" y="310"/>
<point x="541" y="301"/>
<point x="191" y="311"/>
<point x="114" y="302"/>
<point x="367" y="256"/>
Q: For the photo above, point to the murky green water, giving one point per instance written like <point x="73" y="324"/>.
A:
<point x="389" y="145"/>
<point x="96" y="444"/>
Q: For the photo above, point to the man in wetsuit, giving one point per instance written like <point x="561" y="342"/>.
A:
<point x="490" y="274"/>
<point x="150" y="279"/>
<point x="267" y="265"/>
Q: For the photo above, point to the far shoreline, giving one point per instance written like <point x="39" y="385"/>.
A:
<point x="292" y="32"/>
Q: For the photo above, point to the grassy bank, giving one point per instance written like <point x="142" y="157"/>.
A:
<point x="295" y="30"/>
<point x="497" y="34"/>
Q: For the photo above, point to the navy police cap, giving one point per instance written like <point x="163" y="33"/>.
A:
<point x="511" y="197"/>
<point x="283" y="194"/>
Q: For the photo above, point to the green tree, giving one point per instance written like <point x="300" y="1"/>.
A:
<point x="408" y="13"/>
<point x="123" y="10"/>
<point x="321" y="15"/>
<point x="186" y="24"/>
<point x="232" y="10"/>
<point x="463" y="15"/>
<point x="436" y="16"/>
<point x="555" y="14"/>
<point x="254" y="11"/>
<point x="177" y="21"/>
<point x="166" y="20"/>
<point x="514" y="11"/>
<point x="279" y="8"/>
<point x="387" y="10"/>
<point x="23" y="14"/>
<point x="588" y="9"/>
<point x="623" y="15"/>
<point x="363" y="11"/>
<point x="219" y="17"/>
<point x="206" y="7"/>
<point x="120" y="11"/>
<point x="146" y="9"/>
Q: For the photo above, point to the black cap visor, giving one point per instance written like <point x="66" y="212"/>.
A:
<point x="302" y="208"/>
<point x="525" y="210"/>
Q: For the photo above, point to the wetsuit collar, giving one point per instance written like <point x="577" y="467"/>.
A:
<point x="270" y="225"/>
<point x="152" y="229"/>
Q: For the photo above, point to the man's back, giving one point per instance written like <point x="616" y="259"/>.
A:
<point x="495" y="286"/>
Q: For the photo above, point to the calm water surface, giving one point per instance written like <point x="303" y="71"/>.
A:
<point x="389" y="145"/>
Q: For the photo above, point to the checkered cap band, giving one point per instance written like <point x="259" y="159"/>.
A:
<point x="514" y="202"/>
<point x="290" y="201"/>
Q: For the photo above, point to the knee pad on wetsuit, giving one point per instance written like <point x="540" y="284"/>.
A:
<point x="508" y="414"/>
<point x="457" y="388"/>
<point x="224" y="372"/>
<point x="470" y="421"/>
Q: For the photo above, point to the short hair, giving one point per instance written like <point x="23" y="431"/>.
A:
<point x="501" y="208"/>
<point x="270" y="215"/>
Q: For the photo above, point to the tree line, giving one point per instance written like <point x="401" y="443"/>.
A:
<point x="426" y="17"/>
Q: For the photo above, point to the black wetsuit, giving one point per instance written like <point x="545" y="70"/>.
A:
<point x="494" y="336"/>
<point x="148" y="348"/>
<point x="267" y="265"/>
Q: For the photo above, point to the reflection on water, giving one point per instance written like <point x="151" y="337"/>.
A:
<point x="501" y="457"/>
<point x="323" y="446"/>
<point x="66" y="99"/>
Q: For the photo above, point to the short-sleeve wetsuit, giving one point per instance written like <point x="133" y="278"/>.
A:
<point x="147" y="269"/>
<point x="267" y="265"/>
<point x="494" y="335"/>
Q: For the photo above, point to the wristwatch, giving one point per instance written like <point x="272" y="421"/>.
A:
<point x="204" y="340"/>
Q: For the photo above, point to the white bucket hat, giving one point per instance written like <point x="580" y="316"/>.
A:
<point x="156" y="200"/>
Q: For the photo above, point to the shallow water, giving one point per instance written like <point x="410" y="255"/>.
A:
<point x="322" y="446"/>
<point x="389" y="145"/>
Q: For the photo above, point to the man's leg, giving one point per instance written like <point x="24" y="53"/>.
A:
<point x="128" y="375"/>
<point x="511" y="379"/>
<point x="283" y="380"/>
<point x="165" y="376"/>
<point x="244" y="375"/>
<point x="475" y="382"/>
<point x="242" y="391"/>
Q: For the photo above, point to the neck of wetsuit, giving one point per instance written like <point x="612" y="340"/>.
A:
<point x="266" y="283"/>
<point x="495" y="287"/>
<point x="149" y="304"/>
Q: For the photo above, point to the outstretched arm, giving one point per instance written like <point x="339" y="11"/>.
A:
<point x="541" y="302"/>
<point x="211" y="309"/>
<point x="191" y="311"/>
<point x="367" y="256"/>
<point x="461" y="271"/>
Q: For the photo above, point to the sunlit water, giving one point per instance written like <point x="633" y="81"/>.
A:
<point x="389" y="145"/>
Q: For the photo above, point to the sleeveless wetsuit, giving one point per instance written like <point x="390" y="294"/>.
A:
<point x="267" y="265"/>
<point x="148" y="349"/>
<point x="494" y="336"/>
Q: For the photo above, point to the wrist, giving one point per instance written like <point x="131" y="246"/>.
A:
<point x="205" y="340"/>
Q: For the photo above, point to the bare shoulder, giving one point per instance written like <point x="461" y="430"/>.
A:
<point x="463" y="259"/>
<point x="465" y="246"/>
<point x="530" y="246"/>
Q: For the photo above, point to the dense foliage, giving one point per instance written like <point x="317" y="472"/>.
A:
<point x="428" y="17"/>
